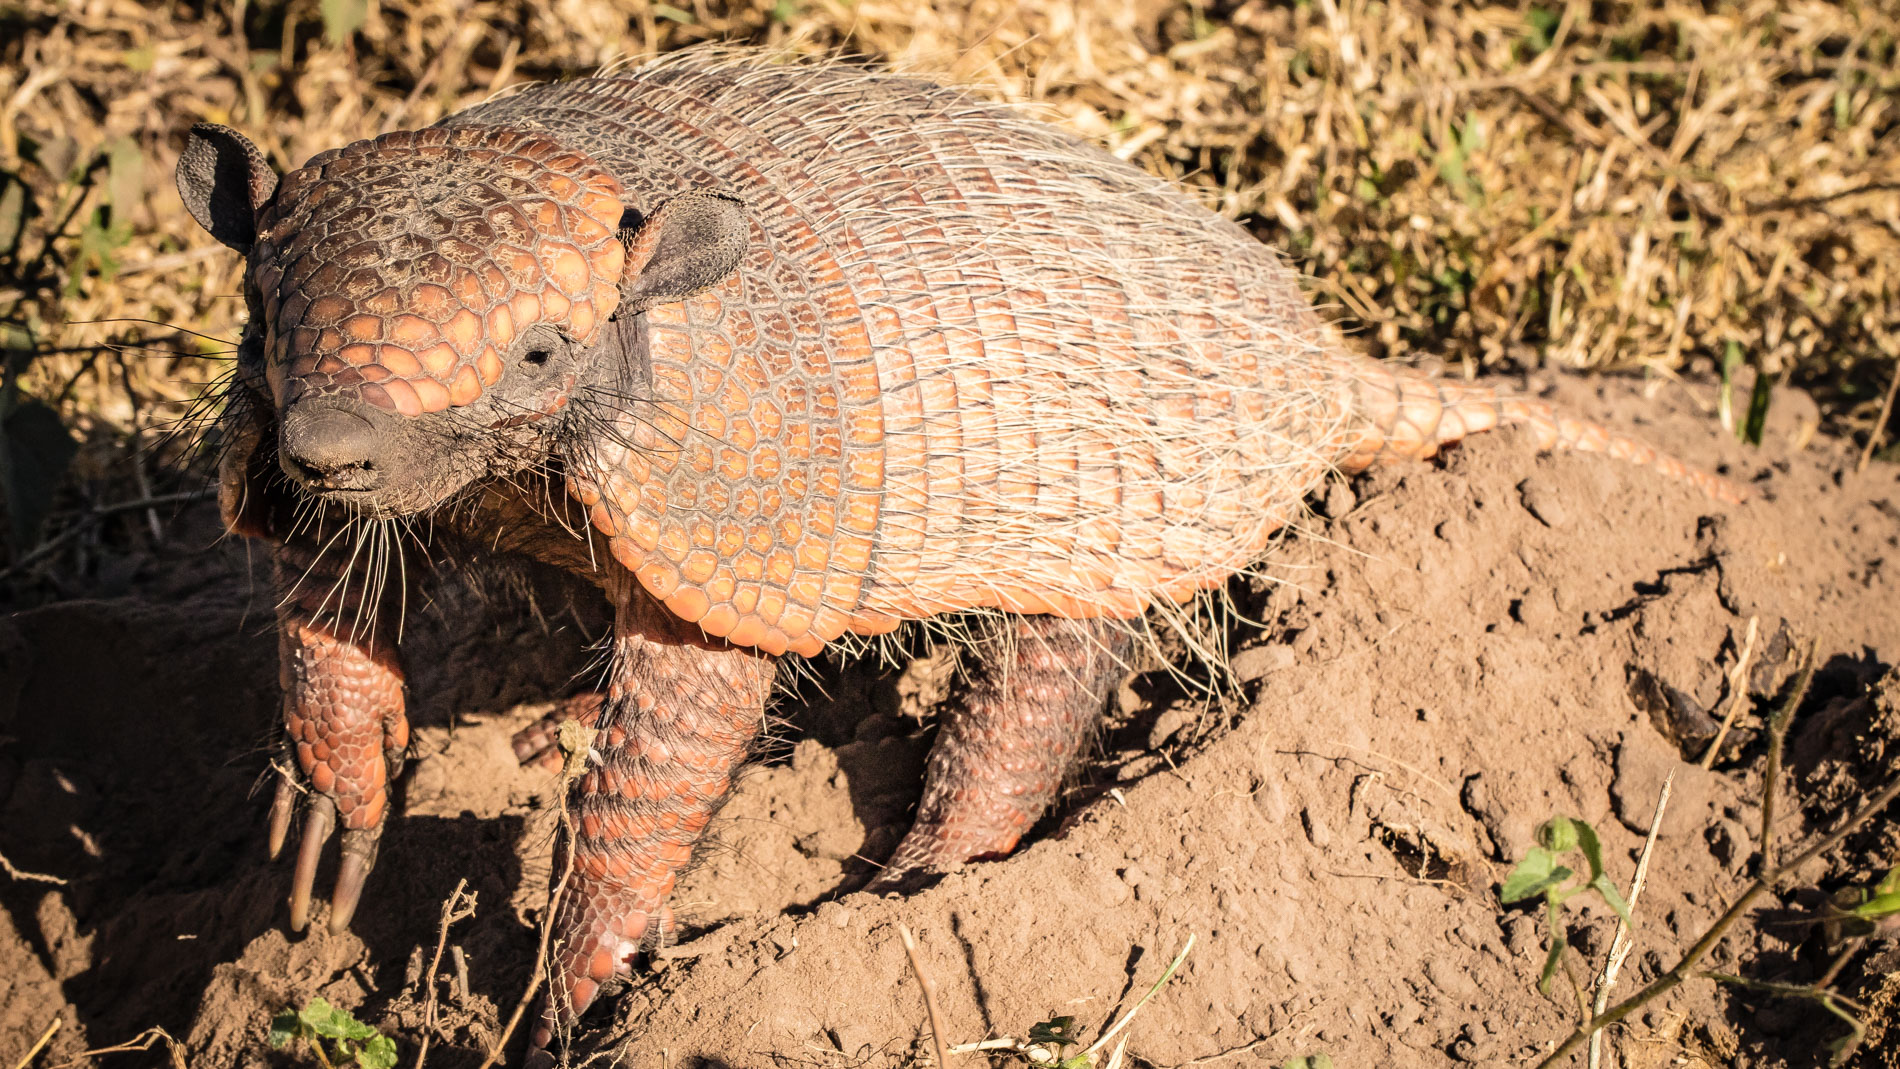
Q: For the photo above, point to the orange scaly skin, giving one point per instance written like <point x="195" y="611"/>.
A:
<point x="680" y="715"/>
<point x="344" y="721"/>
<point x="967" y="363"/>
<point x="964" y="362"/>
<point x="416" y="319"/>
<point x="1404" y="417"/>
<point x="1010" y="733"/>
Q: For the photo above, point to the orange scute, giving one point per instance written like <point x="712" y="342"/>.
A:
<point x="420" y="318"/>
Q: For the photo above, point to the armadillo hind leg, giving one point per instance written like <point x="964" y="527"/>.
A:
<point x="1399" y="414"/>
<point x="344" y="723"/>
<point x="536" y="743"/>
<point x="681" y="713"/>
<point x="1012" y="732"/>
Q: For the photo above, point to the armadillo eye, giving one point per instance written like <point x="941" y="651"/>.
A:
<point x="536" y="357"/>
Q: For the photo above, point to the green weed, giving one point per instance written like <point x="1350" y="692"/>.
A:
<point x="1540" y="874"/>
<point x="351" y="1042"/>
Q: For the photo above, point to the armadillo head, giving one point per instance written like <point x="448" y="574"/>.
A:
<point x="424" y="305"/>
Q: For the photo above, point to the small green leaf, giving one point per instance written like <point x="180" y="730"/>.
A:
<point x="1889" y="883"/>
<point x="1534" y="875"/>
<point x="99" y="242"/>
<point x="1880" y="905"/>
<point x="284" y="1027"/>
<point x="1558" y="835"/>
<point x="1732" y="360"/>
<point x="668" y="11"/>
<point x="332" y="1023"/>
<point x="1758" y="400"/>
<point x="378" y="1053"/>
<point x="1058" y="1030"/>
<point x="1614" y="897"/>
<point x="1543" y="23"/>
<point x="316" y="1015"/>
<point x="1590" y="845"/>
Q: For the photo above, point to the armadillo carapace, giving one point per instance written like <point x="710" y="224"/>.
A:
<point x="773" y="355"/>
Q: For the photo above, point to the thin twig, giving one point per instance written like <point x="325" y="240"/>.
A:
<point x="576" y="765"/>
<point x="141" y="1042"/>
<point x="1576" y="988"/>
<point x="1880" y="422"/>
<point x="930" y="996"/>
<point x="1738" y="692"/>
<point x="1777" y="735"/>
<point x="93" y="515"/>
<point x="1717" y="931"/>
<point x="34" y="1051"/>
<point x="1834" y="967"/>
<point x="540" y="954"/>
<point x="1130" y="1015"/>
<point x="460" y="905"/>
<point x="461" y="975"/>
<point x="36" y="877"/>
<point x="1624" y="943"/>
<point x="1829" y="1000"/>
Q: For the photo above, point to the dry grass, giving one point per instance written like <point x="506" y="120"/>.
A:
<point x="1662" y="185"/>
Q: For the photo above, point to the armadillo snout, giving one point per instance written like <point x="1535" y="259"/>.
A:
<point x="327" y="447"/>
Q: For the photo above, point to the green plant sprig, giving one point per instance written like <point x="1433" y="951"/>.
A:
<point x="1540" y="873"/>
<point x="351" y="1041"/>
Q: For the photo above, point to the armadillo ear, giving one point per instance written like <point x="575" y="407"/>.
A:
<point x="224" y="180"/>
<point x="687" y="246"/>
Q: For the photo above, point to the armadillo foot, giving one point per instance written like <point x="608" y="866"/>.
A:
<point x="536" y="743"/>
<point x="1010" y="735"/>
<point x="600" y="928"/>
<point x="345" y="737"/>
<point x="356" y="857"/>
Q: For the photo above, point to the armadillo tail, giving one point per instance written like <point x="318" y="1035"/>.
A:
<point x="1396" y="414"/>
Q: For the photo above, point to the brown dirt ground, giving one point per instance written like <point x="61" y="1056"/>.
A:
<point x="1450" y="655"/>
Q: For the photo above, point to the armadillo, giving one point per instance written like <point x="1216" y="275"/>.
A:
<point x="773" y="355"/>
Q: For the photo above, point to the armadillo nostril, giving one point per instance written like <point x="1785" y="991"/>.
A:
<point x="329" y="448"/>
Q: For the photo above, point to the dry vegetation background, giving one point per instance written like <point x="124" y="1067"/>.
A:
<point x="1660" y="185"/>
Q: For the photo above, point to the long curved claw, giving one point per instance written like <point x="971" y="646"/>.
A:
<point x="355" y="801"/>
<point x="358" y="858"/>
<point x="318" y="824"/>
<point x="282" y="807"/>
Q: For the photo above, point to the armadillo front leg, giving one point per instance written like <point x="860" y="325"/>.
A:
<point x="680" y="715"/>
<point x="344" y="722"/>
<point x="1011" y="733"/>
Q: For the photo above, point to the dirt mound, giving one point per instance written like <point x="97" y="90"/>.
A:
<point x="1450" y="655"/>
